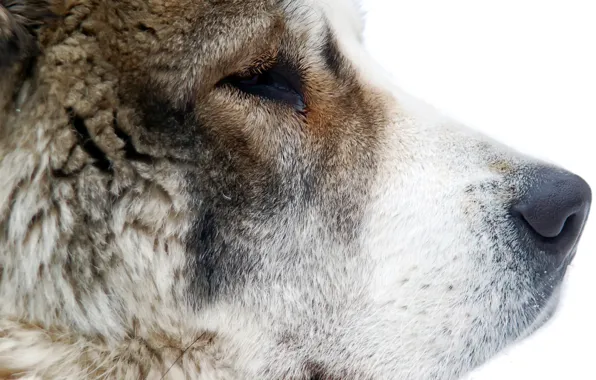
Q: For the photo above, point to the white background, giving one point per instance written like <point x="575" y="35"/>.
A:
<point x="524" y="72"/>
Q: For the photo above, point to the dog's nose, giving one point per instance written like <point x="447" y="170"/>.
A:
<point x="555" y="209"/>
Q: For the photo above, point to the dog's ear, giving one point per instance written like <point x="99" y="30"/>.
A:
<point x="19" y="21"/>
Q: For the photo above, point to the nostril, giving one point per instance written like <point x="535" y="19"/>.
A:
<point x="568" y="224"/>
<point x="548" y="223"/>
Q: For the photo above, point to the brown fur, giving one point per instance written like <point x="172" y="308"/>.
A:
<point x="100" y="130"/>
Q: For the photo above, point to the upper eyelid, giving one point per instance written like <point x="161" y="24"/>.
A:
<point x="258" y="66"/>
<point x="290" y="71"/>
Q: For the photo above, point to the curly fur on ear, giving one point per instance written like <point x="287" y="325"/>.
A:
<point x="19" y="20"/>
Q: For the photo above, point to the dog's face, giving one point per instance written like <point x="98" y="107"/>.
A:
<point x="240" y="168"/>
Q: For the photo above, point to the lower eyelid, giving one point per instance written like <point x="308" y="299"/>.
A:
<point x="271" y="93"/>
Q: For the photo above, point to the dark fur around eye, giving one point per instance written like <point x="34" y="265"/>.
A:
<point x="19" y="20"/>
<point x="279" y="83"/>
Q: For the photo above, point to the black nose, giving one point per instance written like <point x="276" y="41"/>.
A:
<point x="555" y="209"/>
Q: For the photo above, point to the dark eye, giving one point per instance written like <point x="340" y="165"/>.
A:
<point x="278" y="84"/>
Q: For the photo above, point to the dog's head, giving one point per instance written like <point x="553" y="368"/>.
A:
<point x="235" y="185"/>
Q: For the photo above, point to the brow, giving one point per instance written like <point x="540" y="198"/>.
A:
<point x="331" y="54"/>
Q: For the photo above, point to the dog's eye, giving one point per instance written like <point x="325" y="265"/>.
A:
<point x="277" y="84"/>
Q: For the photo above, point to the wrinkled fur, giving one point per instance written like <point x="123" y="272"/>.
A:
<point x="157" y="225"/>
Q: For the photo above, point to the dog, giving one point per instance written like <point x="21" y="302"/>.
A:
<point x="231" y="189"/>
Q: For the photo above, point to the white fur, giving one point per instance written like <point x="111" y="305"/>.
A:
<point x="415" y="297"/>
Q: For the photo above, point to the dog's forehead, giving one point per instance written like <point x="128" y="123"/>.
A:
<point x="344" y="17"/>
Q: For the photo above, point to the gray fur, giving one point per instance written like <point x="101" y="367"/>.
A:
<point x="158" y="225"/>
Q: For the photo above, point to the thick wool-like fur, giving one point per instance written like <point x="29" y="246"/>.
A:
<point x="164" y="217"/>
